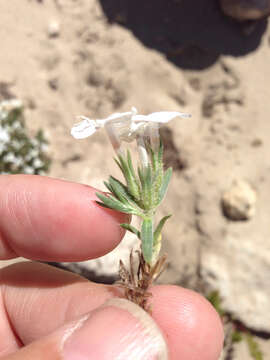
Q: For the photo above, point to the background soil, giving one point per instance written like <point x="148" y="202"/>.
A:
<point x="157" y="55"/>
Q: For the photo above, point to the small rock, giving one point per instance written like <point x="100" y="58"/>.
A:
<point x="239" y="201"/>
<point x="30" y="103"/>
<point x="246" y="9"/>
<point x="256" y="142"/>
<point x="195" y="83"/>
<point x="53" y="29"/>
<point x="53" y="83"/>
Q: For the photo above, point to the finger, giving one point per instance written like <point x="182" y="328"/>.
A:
<point x="54" y="220"/>
<point x="117" y="330"/>
<point x="191" y="326"/>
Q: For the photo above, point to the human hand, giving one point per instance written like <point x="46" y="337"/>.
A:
<point x="47" y="313"/>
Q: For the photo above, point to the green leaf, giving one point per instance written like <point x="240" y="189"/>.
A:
<point x="108" y="186"/>
<point x="214" y="298"/>
<point x="165" y="183"/>
<point x="158" y="238"/>
<point x="148" y="191"/>
<point x="237" y="336"/>
<point x="160" y="153"/>
<point x="159" y="228"/>
<point x="147" y="238"/>
<point x="254" y="348"/>
<point x="131" y="229"/>
<point x="131" y="168"/>
<point x="141" y="177"/>
<point x="119" y="190"/>
<point x="130" y="179"/>
<point x="154" y="160"/>
<point x="112" y="203"/>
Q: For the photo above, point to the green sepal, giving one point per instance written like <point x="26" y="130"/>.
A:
<point x="145" y="176"/>
<point x="165" y="183"/>
<point x="147" y="238"/>
<point x="131" y="229"/>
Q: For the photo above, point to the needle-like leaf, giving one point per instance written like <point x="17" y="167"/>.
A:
<point x="165" y="183"/>
<point x="131" y="229"/>
<point x="112" y="203"/>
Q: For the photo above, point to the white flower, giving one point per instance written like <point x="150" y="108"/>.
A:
<point x="37" y="163"/>
<point x="88" y="127"/>
<point x="12" y="104"/>
<point x="28" y="170"/>
<point x="127" y="126"/>
<point x="9" y="157"/>
<point x="4" y="135"/>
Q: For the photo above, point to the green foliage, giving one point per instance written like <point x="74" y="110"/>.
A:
<point x="132" y="229"/>
<point x="18" y="152"/>
<point x="113" y="203"/>
<point x="215" y="300"/>
<point x="141" y="195"/>
<point x="236" y="335"/>
<point x="147" y="237"/>
<point x="253" y="347"/>
<point x="164" y="185"/>
<point x="159" y="228"/>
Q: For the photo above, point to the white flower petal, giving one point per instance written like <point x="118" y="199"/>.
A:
<point x="4" y="135"/>
<point x="122" y="116"/>
<point x="141" y="118"/>
<point x="84" y="128"/>
<point x="161" y="116"/>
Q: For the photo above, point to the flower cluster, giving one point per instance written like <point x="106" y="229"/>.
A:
<point x="18" y="152"/>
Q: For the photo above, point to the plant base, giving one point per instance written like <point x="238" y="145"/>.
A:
<point x="140" y="276"/>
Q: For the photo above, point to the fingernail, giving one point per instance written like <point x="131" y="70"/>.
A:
<point x="119" y="330"/>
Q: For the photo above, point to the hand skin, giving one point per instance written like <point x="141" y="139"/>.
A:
<point x="52" y="220"/>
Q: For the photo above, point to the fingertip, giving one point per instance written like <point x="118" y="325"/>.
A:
<point x="48" y="219"/>
<point x="192" y="326"/>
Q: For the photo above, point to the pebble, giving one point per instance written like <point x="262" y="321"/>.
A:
<point x="238" y="202"/>
<point x="53" y="29"/>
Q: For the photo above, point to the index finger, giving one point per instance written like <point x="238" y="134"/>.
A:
<point x="54" y="220"/>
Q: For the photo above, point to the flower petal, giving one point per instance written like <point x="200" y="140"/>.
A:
<point x="161" y="116"/>
<point x="84" y="128"/>
<point x="122" y="116"/>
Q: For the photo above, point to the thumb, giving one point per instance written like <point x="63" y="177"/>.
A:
<point x="118" y="330"/>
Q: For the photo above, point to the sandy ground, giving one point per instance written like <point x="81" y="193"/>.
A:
<point x="156" y="55"/>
